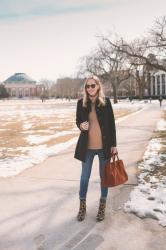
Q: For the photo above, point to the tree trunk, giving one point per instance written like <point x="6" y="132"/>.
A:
<point x="115" y="93"/>
<point x="141" y="90"/>
<point x="140" y="85"/>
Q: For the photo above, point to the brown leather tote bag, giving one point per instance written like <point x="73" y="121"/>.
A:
<point x="114" y="173"/>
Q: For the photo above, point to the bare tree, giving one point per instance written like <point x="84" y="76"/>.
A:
<point x="158" y="36"/>
<point x="153" y="43"/>
<point x="47" y="87"/>
<point x="115" y="60"/>
<point x="67" y="87"/>
<point x="146" y="54"/>
<point x="3" y="92"/>
<point x="107" y="63"/>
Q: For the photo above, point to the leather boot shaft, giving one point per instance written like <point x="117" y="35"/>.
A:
<point x="101" y="211"/>
<point x="82" y="210"/>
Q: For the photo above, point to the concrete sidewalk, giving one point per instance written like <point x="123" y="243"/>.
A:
<point x="39" y="206"/>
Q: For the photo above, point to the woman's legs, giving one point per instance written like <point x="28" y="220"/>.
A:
<point x="104" y="190"/>
<point x="86" y="172"/>
<point x="102" y="162"/>
<point x="84" y="181"/>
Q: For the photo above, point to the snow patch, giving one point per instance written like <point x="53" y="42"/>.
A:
<point x="35" y="155"/>
<point x="148" y="199"/>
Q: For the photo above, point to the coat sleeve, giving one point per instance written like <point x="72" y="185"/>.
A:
<point x="78" y="114"/>
<point x="112" y="119"/>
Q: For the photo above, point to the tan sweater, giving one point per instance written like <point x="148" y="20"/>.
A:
<point x="94" y="132"/>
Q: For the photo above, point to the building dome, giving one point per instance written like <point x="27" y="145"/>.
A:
<point x="21" y="85"/>
<point x="19" y="78"/>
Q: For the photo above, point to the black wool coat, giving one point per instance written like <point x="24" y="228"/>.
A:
<point x="106" y="121"/>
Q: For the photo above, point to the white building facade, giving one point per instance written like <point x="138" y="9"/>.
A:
<point x="158" y="83"/>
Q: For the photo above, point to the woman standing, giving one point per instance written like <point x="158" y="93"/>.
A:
<point x="95" y="119"/>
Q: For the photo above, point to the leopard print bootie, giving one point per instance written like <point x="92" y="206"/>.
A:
<point x="82" y="210"/>
<point x="101" y="211"/>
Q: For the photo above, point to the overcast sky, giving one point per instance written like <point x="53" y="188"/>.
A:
<point x="46" y="38"/>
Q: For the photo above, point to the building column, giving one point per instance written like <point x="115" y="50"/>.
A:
<point x="151" y="86"/>
<point x="165" y="85"/>
<point x="161" y="89"/>
<point x="155" y="85"/>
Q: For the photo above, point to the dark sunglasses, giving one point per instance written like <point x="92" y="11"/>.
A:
<point x="90" y="86"/>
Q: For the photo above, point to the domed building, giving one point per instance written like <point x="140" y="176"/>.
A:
<point x="21" y="85"/>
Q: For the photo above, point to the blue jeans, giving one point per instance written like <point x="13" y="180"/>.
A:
<point x="86" y="172"/>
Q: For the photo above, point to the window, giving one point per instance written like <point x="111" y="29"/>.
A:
<point x="13" y="92"/>
<point x="153" y="82"/>
<point x="20" y="92"/>
<point x="153" y="79"/>
<point x="163" y="78"/>
<point x="158" y="84"/>
<point x="158" y="89"/>
<point x="163" y="89"/>
<point x="158" y="79"/>
<point x="153" y="88"/>
<point x="26" y="92"/>
<point x="9" y="91"/>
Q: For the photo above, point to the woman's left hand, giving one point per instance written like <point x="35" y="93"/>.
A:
<point x="114" y="151"/>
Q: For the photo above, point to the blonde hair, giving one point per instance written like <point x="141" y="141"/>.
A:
<point x="101" y="96"/>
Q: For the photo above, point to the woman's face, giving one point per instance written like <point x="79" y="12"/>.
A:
<point x="91" y="87"/>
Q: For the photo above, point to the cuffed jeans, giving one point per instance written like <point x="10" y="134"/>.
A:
<point x="86" y="172"/>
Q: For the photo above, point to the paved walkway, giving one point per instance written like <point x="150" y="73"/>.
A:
<point x="39" y="206"/>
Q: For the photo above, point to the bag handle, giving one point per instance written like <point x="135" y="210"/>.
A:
<point x="114" y="156"/>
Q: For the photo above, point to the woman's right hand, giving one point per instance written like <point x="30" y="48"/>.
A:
<point x="84" y="125"/>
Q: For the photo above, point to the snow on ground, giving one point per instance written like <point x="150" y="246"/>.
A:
<point x="53" y="115"/>
<point x="15" y="165"/>
<point x="39" y="123"/>
<point x="36" y="139"/>
<point x="161" y="125"/>
<point x="148" y="199"/>
<point x="126" y="104"/>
